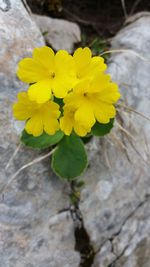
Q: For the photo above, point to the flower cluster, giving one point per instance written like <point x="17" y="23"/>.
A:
<point x="79" y="84"/>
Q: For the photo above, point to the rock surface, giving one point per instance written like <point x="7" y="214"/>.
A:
<point x="18" y="35"/>
<point x="115" y="202"/>
<point x="36" y="228"/>
<point x="32" y="231"/>
<point x="59" y="33"/>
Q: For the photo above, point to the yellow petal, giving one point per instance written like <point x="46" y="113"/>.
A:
<point x="99" y="83"/>
<point x="50" y="125"/>
<point x="23" y="97"/>
<point x="51" y="109"/>
<point x="82" y="58"/>
<point x="110" y="94"/>
<point x="50" y="113"/>
<point x="85" y="116"/>
<point x="73" y="100"/>
<point x="97" y="64"/>
<point x="67" y="121"/>
<point x="45" y="57"/>
<point x="61" y="87"/>
<point x="64" y="64"/>
<point x="95" y="67"/>
<point x="23" y="109"/>
<point x="20" y="113"/>
<point x="66" y="125"/>
<point x="80" y="130"/>
<point x="30" y="71"/>
<point x="82" y="87"/>
<point x="61" y="57"/>
<point x="40" y="91"/>
<point x="103" y="112"/>
<point x="34" y="125"/>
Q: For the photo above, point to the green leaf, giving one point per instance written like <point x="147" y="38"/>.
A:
<point x="100" y="129"/>
<point x="42" y="141"/>
<point x="70" y="159"/>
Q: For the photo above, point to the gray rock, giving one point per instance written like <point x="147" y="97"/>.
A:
<point x="115" y="202"/>
<point x="33" y="230"/>
<point x="131" y="245"/>
<point x="59" y="33"/>
<point x="18" y="36"/>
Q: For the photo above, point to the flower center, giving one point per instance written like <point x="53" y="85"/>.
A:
<point x="52" y="75"/>
<point x="85" y="94"/>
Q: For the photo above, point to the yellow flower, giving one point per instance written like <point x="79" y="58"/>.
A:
<point x="47" y="73"/>
<point x="68" y="123"/>
<point x="89" y="95"/>
<point x="39" y="117"/>
<point x="91" y="100"/>
<point x="86" y="65"/>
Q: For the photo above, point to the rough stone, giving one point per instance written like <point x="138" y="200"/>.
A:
<point x="115" y="201"/>
<point x="16" y="41"/>
<point x="33" y="230"/>
<point x="59" y="33"/>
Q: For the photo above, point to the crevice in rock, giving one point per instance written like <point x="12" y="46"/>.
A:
<point x="113" y="263"/>
<point x="130" y="215"/>
<point x="63" y="210"/>
<point x="82" y="240"/>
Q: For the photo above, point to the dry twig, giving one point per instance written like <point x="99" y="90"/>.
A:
<point x="133" y="110"/>
<point x="136" y="3"/>
<point x="125" y="130"/>
<point x="24" y="167"/>
<point x="126" y="51"/>
<point x="13" y="156"/>
<point x="124" y="8"/>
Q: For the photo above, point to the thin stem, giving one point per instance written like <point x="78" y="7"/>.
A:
<point x="24" y="167"/>
<point x="136" y="3"/>
<point x="133" y="110"/>
<point x="125" y="51"/>
<point x="13" y="156"/>
<point x="124" y="8"/>
<point x="125" y="130"/>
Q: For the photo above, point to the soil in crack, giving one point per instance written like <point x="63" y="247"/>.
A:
<point x="84" y="247"/>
